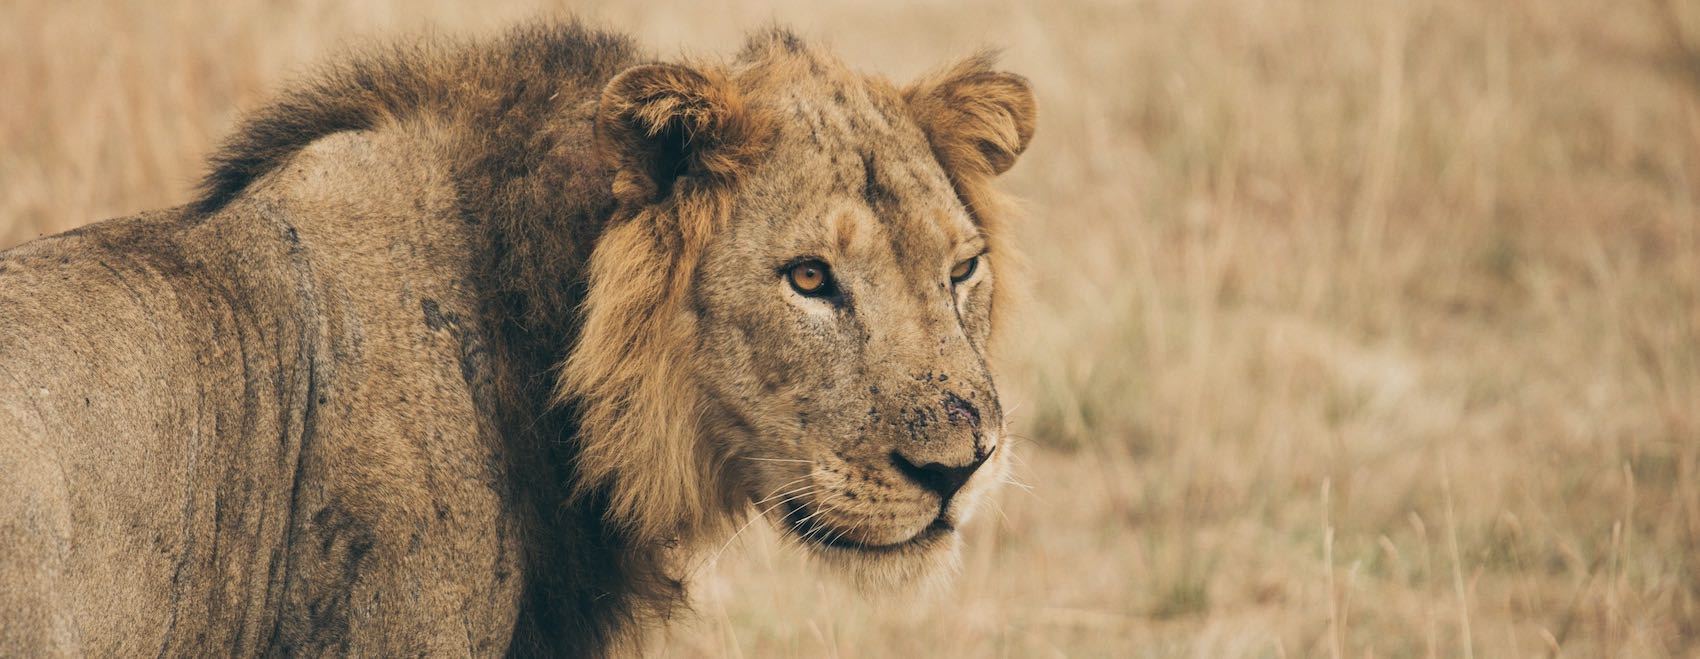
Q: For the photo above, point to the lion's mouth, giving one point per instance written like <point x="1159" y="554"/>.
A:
<point x="807" y="525"/>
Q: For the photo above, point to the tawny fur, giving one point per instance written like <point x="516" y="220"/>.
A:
<point x="468" y="348"/>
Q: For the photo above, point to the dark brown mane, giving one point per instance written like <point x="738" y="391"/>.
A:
<point x="514" y="117"/>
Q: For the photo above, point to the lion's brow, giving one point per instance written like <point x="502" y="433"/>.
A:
<point x="846" y="228"/>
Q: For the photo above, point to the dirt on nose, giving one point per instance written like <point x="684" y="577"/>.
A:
<point x="959" y="411"/>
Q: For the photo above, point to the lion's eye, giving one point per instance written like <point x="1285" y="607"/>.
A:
<point x="964" y="270"/>
<point x="811" y="278"/>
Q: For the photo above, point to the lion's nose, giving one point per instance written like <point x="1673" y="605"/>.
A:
<point x="941" y="479"/>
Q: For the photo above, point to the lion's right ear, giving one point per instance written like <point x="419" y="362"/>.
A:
<point x="659" y="125"/>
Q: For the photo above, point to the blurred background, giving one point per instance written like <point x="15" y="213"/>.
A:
<point x="1358" y="328"/>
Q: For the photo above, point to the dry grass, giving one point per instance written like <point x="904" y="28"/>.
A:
<point x="1362" y="328"/>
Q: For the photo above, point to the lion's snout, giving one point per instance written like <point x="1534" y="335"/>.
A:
<point x="944" y="443"/>
<point x="937" y="477"/>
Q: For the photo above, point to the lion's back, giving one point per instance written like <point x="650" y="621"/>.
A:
<point x="285" y="417"/>
<point x="238" y="430"/>
<point x="112" y="398"/>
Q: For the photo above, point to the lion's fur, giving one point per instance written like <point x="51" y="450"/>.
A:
<point x="631" y="370"/>
<point x="421" y="368"/>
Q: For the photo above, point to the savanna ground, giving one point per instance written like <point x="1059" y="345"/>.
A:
<point x="1359" y="328"/>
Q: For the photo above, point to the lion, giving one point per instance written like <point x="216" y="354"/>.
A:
<point x="471" y="347"/>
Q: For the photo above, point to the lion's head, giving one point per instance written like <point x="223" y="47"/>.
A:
<point x="791" y="310"/>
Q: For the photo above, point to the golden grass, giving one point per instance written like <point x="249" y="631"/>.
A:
<point x="1361" y="328"/>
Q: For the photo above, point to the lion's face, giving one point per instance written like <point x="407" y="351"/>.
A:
<point x="844" y="317"/>
<point x="793" y="307"/>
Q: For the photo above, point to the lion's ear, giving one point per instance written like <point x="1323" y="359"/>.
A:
<point x="660" y="124"/>
<point x="978" y="119"/>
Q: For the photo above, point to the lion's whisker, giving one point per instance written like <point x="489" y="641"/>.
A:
<point x="812" y="515"/>
<point x="835" y="536"/>
<point x="759" y="514"/>
<point x="813" y="532"/>
<point x="758" y="504"/>
<point x="1011" y="481"/>
<point x="787" y="497"/>
<point x="834" y="502"/>
<point x="780" y="487"/>
<point x="1017" y="461"/>
<point x="999" y="507"/>
<point x="1021" y="438"/>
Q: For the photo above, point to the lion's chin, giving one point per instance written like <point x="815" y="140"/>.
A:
<point x="916" y="565"/>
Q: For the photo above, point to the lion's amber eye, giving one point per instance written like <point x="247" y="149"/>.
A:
<point x="810" y="278"/>
<point x="964" y="270"/>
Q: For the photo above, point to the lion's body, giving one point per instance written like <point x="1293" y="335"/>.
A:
<point x="462" y="348"/>
<point x="287" y="423"/>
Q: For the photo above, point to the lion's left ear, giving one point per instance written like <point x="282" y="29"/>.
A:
<point x="979" y="120"/>
<point x="660" y="124"/>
